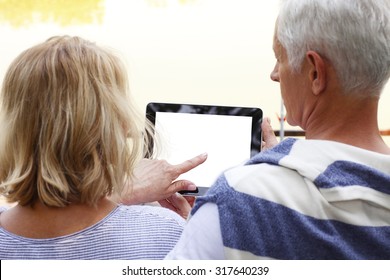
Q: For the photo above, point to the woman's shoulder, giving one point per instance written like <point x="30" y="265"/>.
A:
<point x="3" y="209"/>
<point x="150" y="213"/>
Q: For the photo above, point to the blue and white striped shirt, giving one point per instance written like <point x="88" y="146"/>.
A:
<point x="303" y="199"/>
<point x="128" y="232"/>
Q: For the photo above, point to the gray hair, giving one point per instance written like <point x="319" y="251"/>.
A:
<point x="353" y="34"/>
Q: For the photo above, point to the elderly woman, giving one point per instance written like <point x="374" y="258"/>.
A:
<point x="70" y="141"/>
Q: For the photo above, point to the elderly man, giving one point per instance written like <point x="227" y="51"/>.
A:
<point x="328" y="196"/>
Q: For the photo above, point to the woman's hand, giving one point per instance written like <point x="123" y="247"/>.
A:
<point x="182" y="205"/>
<point x="154" y="180"/>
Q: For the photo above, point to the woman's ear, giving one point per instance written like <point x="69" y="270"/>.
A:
<point x="317" y="72"/>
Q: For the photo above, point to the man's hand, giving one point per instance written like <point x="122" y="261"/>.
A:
<point x="269" y="138"/>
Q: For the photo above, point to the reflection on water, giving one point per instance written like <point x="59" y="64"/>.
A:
<point x="20" y="13"/>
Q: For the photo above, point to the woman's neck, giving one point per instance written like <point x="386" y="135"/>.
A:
<point x="41" y="221"/>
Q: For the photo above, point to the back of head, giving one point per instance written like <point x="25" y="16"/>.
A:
<point x="354" y="35"/>
<point x="66" y="122"/>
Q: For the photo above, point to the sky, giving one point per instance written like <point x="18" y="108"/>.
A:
<point x="183" y="51"/>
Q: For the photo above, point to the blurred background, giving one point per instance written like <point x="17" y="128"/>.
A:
<point x="183" y="51"/>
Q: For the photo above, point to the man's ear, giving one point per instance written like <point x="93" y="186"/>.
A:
<point x="317" y="72"/>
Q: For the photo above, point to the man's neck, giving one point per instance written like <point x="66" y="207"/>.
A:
<point x="347" y="120"/>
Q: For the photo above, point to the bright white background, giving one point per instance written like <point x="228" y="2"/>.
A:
<point x="187" y="51"/>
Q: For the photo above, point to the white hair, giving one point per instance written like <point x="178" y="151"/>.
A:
<point x="353" y="34"/>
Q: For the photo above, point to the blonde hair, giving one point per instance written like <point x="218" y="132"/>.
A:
<point x="69" y="130"/>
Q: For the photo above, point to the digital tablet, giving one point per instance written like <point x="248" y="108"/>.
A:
<point x="229" y="135"/>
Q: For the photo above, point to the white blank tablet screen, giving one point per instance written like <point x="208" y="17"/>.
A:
<point x="226" y="140"/>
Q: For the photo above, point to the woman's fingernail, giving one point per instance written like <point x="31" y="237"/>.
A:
<point x="191" y="187"/>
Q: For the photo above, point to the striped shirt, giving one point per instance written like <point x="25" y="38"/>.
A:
<point x="303" y="199"/>
<point x="128" y="232"/>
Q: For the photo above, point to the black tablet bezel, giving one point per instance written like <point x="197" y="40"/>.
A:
<point x="256" y="113"/>
<point x="153" y="108"/>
